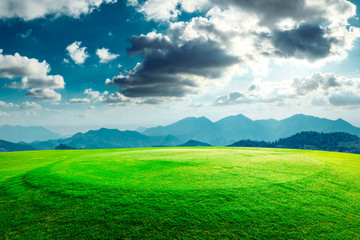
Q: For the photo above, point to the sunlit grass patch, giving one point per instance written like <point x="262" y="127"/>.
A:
<point x="180" y="193"/>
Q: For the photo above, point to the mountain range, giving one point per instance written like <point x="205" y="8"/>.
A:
<point x="186" y="132"/>
<point x="6" y="146"/>
<point x="234" y="128"/>
<point x="108" y="138"/>
<point x="26" y="134"/>
<point x="337" y="141"/>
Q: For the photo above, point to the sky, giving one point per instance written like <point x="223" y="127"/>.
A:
<point x="84" y="64"/>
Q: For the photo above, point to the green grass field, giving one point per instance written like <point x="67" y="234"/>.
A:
<point x="180" y="193"/>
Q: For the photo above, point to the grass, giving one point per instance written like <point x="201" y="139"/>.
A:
<point x="180" y="193"/>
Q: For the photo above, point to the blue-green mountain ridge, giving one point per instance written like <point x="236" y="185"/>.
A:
<point x="220" y="133"/>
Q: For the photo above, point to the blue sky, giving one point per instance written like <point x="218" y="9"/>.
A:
<point x="84" y="64"/>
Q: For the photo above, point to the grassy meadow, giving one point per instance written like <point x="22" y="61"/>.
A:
<point x="179" y="193"/>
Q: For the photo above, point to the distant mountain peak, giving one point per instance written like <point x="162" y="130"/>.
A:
<point x="6" y="146"/>
<point x="237" y="127"/>
<point x="194" y="143"/>
<point x="340" y="120"/>
<point x="202" y="118"/>
<point x="300" y="115"/>
<point x="26" y="133"/>
<point x="241" y="115"/>
<point x="220" y="133"/>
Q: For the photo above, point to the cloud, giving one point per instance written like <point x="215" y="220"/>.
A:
<point x="92" y="96"/>
<point x="54" y="82"/>
<point x="44" y="94"/>
<point x="272" y="12"/>
<point x="171" y="68"/>
<point x="157" y="9"/>
<point x="226" y="38"/>
<point x="91" y="93"/>
<point x="149" y="101"/>
<point x="31" y="9"/>
<point x="163" y="10"/>
<point x="34" y="74"/>
<point x="346" y="97"/>
<point x="24" y="105"/>
<point x="29" y="105"/>
<point x="77" y="54"/>
<point x="13" y="66"/>
<point x="115" y="99"/>
<point x="105" y="56"/>
<point x="273" y="96"/>
<point x="4" y="114"/>
<point x="26" y="34"/>
<point x="78" y="101"/>
<point x="269" y="13"/>
<point x="305" y="85"/>
<point x="118" y="99"/>
<point x="320" y="89"/>
<point x="6" y="105"/>
<point x="52" y="112"/>
<point x="304" y="42"/>
<point x="255" y="30"/>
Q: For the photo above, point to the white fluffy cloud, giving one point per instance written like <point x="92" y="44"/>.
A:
<point x="13" y="66"/>
<point x="106" y="56"/>
<point x="24" y="105"/>
<point x="318" y="90"/>
<point x="91" y="93"/>
<point x="115" y="99"/>
<point x="305" y="85"/>
<point x="77" y="54"/>
<point x="54" y="82"/>
<point x="29" y="105"/>
<point x="92" y="96"/>
<point x="111" y="99"/>
<point x="33" y="73"/>
<point x="162" y="10"/>
<point x="6" y="105"/>
<point x="31" y="9"/>
<point x="43" y="94"/>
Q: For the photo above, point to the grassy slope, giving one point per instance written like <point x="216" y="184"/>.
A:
<point x="180" y="193"/>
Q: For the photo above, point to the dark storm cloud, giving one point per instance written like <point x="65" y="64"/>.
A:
<point x="144" y="44"/>
<point x="305" y="42"/>
<point x="169" y="67"/>
<point x="196" y="57"/>
<point x="160" y="86"/>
